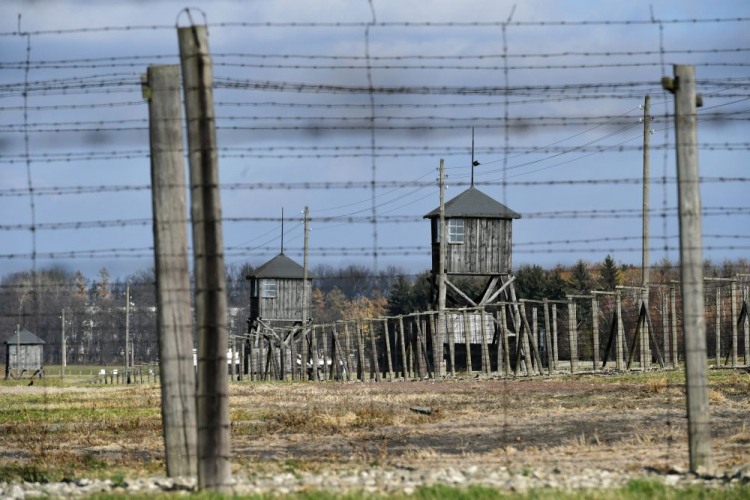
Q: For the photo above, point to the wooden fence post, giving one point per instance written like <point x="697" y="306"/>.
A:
<point x="404" y="361"/>
<point x="387" y="335"/>
<point x="665" y="325"/>
<point x="673" y="315"/>
<point x="174" y="329"/>
<point x="535" y="331"/>
<point x="486" y="368"/>
<point x="450" y="332"/>
<point x="361" y="350"/>
<point x="467" y="340"/>
<point x="214" y="440"/>
<point x="595" y="332"/>
<point x="733" y="303"/>
<point x="315" y="356"/>
<point x="619" y="347"/>
<point x="573" y="336"/>
<point x="506" y="344"/>
<point x="554" y="337"/>
<point x="718" y="326"/>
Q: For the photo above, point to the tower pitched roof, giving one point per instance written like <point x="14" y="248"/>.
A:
<point x="282" y="267"/>
<point x="474" y="203"/>
<point x="26" y="338"/>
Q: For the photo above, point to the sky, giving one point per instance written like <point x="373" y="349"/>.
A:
<point x="96" y="137"/>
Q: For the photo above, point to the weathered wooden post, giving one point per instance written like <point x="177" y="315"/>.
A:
<point x="63" y="350"/>
<point x="449" y="331"/>
<point x="173" y="324"/>
<point x="421" y="365"/>
<point x="691" y="264"/>
<point x="619" y="343"/>
<point x="467" y="340"/>
<point x="554" y="336"/>
<point x="733" y="305"/>
<point x="535" y="331"/>
<point x="573" y="336"/>
<point x="673" y="315"/>
<point x="485" y="351"/>
<point x="315" y="357"/>
<point x="595" y="332"/>
<point x="387" y="336"/>
<point x="718" y="326"/>
<point x="374" y="347"/>
<point x="214" y="440"/>
<point x="500" y="328"/>
<point x="506" y="344"/>
<point x="665" y="325"/>
<point x="404" y="365"/>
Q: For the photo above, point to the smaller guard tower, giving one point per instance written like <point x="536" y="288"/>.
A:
<point x="276" y="292"/>
<point x="24" y="354"/>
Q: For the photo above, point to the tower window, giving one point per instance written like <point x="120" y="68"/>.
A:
<point x="268" y="289"/>
<point x="455" y="230"/>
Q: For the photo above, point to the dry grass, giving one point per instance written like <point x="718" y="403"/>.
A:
<point x="568" y="422"/>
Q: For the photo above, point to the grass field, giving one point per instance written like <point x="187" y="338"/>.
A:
<point x="55" y="430"/>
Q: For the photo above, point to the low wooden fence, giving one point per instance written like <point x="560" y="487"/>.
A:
<point x="602" y="331"/>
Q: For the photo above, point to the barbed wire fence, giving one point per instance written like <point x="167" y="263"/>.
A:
<point x="577" y="335"/>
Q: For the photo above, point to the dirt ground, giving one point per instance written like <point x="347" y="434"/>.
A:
<point x="620" y="422"/>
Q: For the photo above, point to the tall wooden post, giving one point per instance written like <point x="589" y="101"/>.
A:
<point x="438" y="348"/>
<point x="305" y="284"/>
<point x="645" y="352"/>
<point x="691" y="264"/>
<point x="63" y="350"/>
<point x="214" y="446"/>
<point x="173" y="315"/>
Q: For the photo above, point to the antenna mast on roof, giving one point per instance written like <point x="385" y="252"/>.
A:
<point x="472" y="156"/>
<point x="282" y="230"/>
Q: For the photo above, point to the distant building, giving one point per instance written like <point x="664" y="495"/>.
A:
<point x="24" y="355"/>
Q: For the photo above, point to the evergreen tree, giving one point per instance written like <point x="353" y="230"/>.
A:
<point x="531" y="282"/>
<point x="610" y="275"/>
<point x="581" y="281"/>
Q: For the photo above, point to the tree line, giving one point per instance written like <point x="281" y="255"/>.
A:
<point x="95" y="307"/>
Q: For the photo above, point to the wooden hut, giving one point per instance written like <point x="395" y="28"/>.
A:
<point x="24" y="355"/>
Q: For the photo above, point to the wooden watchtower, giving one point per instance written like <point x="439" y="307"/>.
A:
<point x="479" y="240"/>
<point x="277" y="292"/>
<point x="24" y="354"/>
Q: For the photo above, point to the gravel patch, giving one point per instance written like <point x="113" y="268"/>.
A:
<point x="398" y="480"/>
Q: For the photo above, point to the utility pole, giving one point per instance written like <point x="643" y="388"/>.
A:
<point x="691" y="263"/>
<point x="64" y="359"/>
<point x="645" y="353"/>
<point x="127" y="333"/>
<point x="214" y="445"/>
<point x="305" y="297"/>
<point x="441" y="273"/>
<point x="173" y="315"/>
